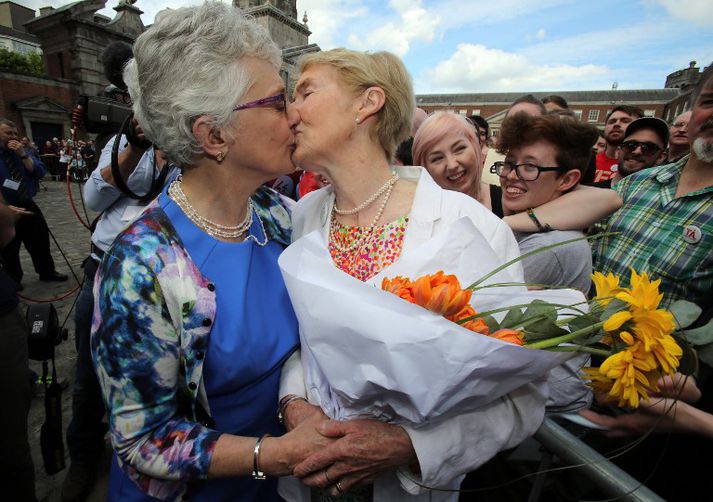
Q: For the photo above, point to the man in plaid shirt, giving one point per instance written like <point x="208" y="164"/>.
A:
<point x="665" y="226"/>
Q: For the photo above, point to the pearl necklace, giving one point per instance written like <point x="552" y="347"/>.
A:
<point x="358" y="242"/>
<point x="210" y="227"/>
<point x="386" y="186"/>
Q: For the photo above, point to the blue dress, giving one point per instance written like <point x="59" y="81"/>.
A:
<point x="254" y="332"/>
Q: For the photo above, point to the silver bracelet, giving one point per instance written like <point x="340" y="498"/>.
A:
<point x="283" y="406"/>
<point x="257" y="473"/>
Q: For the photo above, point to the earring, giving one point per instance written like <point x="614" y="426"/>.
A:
<point x="219" y="157"/>
<point x="357" y="120"/>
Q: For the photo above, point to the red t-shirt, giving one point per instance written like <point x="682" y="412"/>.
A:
<point x="604" y="168"/>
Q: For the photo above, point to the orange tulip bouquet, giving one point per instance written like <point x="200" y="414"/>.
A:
<point x="413" y="345"/>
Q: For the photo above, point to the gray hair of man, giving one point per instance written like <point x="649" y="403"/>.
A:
<point x="187" y="65"/>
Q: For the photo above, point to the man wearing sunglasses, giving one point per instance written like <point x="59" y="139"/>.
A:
<point x="644" y="146"/>
<point x="665" y="226"/>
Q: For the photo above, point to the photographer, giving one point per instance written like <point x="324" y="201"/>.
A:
<point x="17" y="474"/>
<point x="19" y="174"/>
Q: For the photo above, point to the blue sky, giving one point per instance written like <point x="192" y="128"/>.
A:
<point x="510" y="45"/>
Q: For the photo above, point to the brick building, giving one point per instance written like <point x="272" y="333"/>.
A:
<point x="590" y="106"/>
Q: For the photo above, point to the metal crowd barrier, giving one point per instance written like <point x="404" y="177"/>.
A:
<point x="609" y="478"/>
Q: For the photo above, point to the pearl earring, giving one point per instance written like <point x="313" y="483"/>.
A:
<point x="357" y="120"/>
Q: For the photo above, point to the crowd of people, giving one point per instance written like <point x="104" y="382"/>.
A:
<point x="185" y="332"/>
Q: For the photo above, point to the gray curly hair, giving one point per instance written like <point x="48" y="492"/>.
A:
<point x="186" y="65"/>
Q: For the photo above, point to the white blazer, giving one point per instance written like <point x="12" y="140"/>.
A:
<point x="448" y="449"/>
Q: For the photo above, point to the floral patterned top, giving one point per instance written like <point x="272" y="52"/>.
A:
<point x="152" y="320"/>
<point x="363" y="252"/>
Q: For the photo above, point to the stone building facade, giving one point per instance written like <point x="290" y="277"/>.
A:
<point x="72" y="39"/>
<point x="13" y="34"/>
<point x="280" y="19"/>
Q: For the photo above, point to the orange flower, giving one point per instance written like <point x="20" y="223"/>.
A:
<point x="400" y="286"/>
<point x="509" y="335"/>
<point x="441" y="294"/>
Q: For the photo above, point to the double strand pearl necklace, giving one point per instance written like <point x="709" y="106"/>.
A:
<point x="383" y="188"/>
<point x="359" y="242"/>
<point x="210" y="227"/>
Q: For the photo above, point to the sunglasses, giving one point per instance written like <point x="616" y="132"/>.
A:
<point x="647" y="147"/>
<point x="259" y="103"/>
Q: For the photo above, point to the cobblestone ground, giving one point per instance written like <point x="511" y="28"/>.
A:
<point x="73" y="240"/>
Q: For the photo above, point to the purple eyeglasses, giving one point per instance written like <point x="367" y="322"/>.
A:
<point x="258" y="103"/>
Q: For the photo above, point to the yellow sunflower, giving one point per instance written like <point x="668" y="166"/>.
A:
<point x="607" y="287"/>
<point x="631" y="377"/>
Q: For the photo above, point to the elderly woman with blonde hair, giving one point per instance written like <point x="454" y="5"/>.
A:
<point x="349" y="112"/>
<point x="192" y="321"/>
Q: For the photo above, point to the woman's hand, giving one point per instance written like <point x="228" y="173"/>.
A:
<point x="362" y="449"/>
<point x="280" y="455"/>
<point x="681" y="387"/>
<point x="667" y="412"/>
<point x="299" y="410"/>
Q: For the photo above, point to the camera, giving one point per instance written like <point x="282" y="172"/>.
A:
<point x="102" y="114"/>
<point x="45" y="333"/>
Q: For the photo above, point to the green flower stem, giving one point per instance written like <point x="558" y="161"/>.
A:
<point x="580" y="348"/>
<point x="534" y="252"/>
<point x="553" y="342"/>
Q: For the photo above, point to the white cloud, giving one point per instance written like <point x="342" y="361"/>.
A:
<point x="541" y="34"/>
<point x="699" y="12"/>
<point x="474" y="68"/>
<point x="329" y="18"/>
<point x="414" y="23"/>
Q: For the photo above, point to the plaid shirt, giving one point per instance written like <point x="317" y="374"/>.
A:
<point x="669" y="238"/>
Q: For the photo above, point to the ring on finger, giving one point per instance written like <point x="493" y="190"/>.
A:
<point x="338" y="486"/>
<point x="326" y="476"/>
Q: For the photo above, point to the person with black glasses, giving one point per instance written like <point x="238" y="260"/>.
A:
<point x="643" y="147"/>
<point x="545" y="157"/>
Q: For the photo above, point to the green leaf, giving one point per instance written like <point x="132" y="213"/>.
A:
<point x="581" y="322"/>
<point x="689" y="361"/>
<point x="612" y="308"/>
<point x="685" y="312"/>
<point x="512" y="318"/>
<point x="701" y="335"/>
<point x="491" y="322"/>
<point x="705" y="354"/>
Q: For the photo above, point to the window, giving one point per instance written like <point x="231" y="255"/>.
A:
<point x="593" y="115"/>
<point x="494" y="133"/>
<point x="649" y="113"/>
<point x="463" y="112"/>
<point x="476" y="112"/>
<point x="578" y="114"/>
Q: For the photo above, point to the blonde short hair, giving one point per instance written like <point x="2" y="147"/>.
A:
<point x="437" y="126"/>
<point x="361" y="70"/>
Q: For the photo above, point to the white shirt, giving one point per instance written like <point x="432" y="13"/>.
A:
<point x="446" y="450"/>
<point x="118" y="209"/>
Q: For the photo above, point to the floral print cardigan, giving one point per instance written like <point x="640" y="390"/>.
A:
<point x="152" y="319"/>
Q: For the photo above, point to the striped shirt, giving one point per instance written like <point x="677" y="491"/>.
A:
<point x="668" y="237"/>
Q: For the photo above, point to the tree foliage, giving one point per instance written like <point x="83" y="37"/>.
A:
<point x="30" y="64"/>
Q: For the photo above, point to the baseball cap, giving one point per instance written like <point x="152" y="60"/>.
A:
<point x="659" y="126"/>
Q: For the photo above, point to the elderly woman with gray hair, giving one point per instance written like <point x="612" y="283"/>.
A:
<point x="192" y="322"/>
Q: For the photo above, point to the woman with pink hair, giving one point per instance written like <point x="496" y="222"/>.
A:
<point x="447" y="146"/>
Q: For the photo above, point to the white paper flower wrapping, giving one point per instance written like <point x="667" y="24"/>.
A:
<point x="368" y="353"/>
